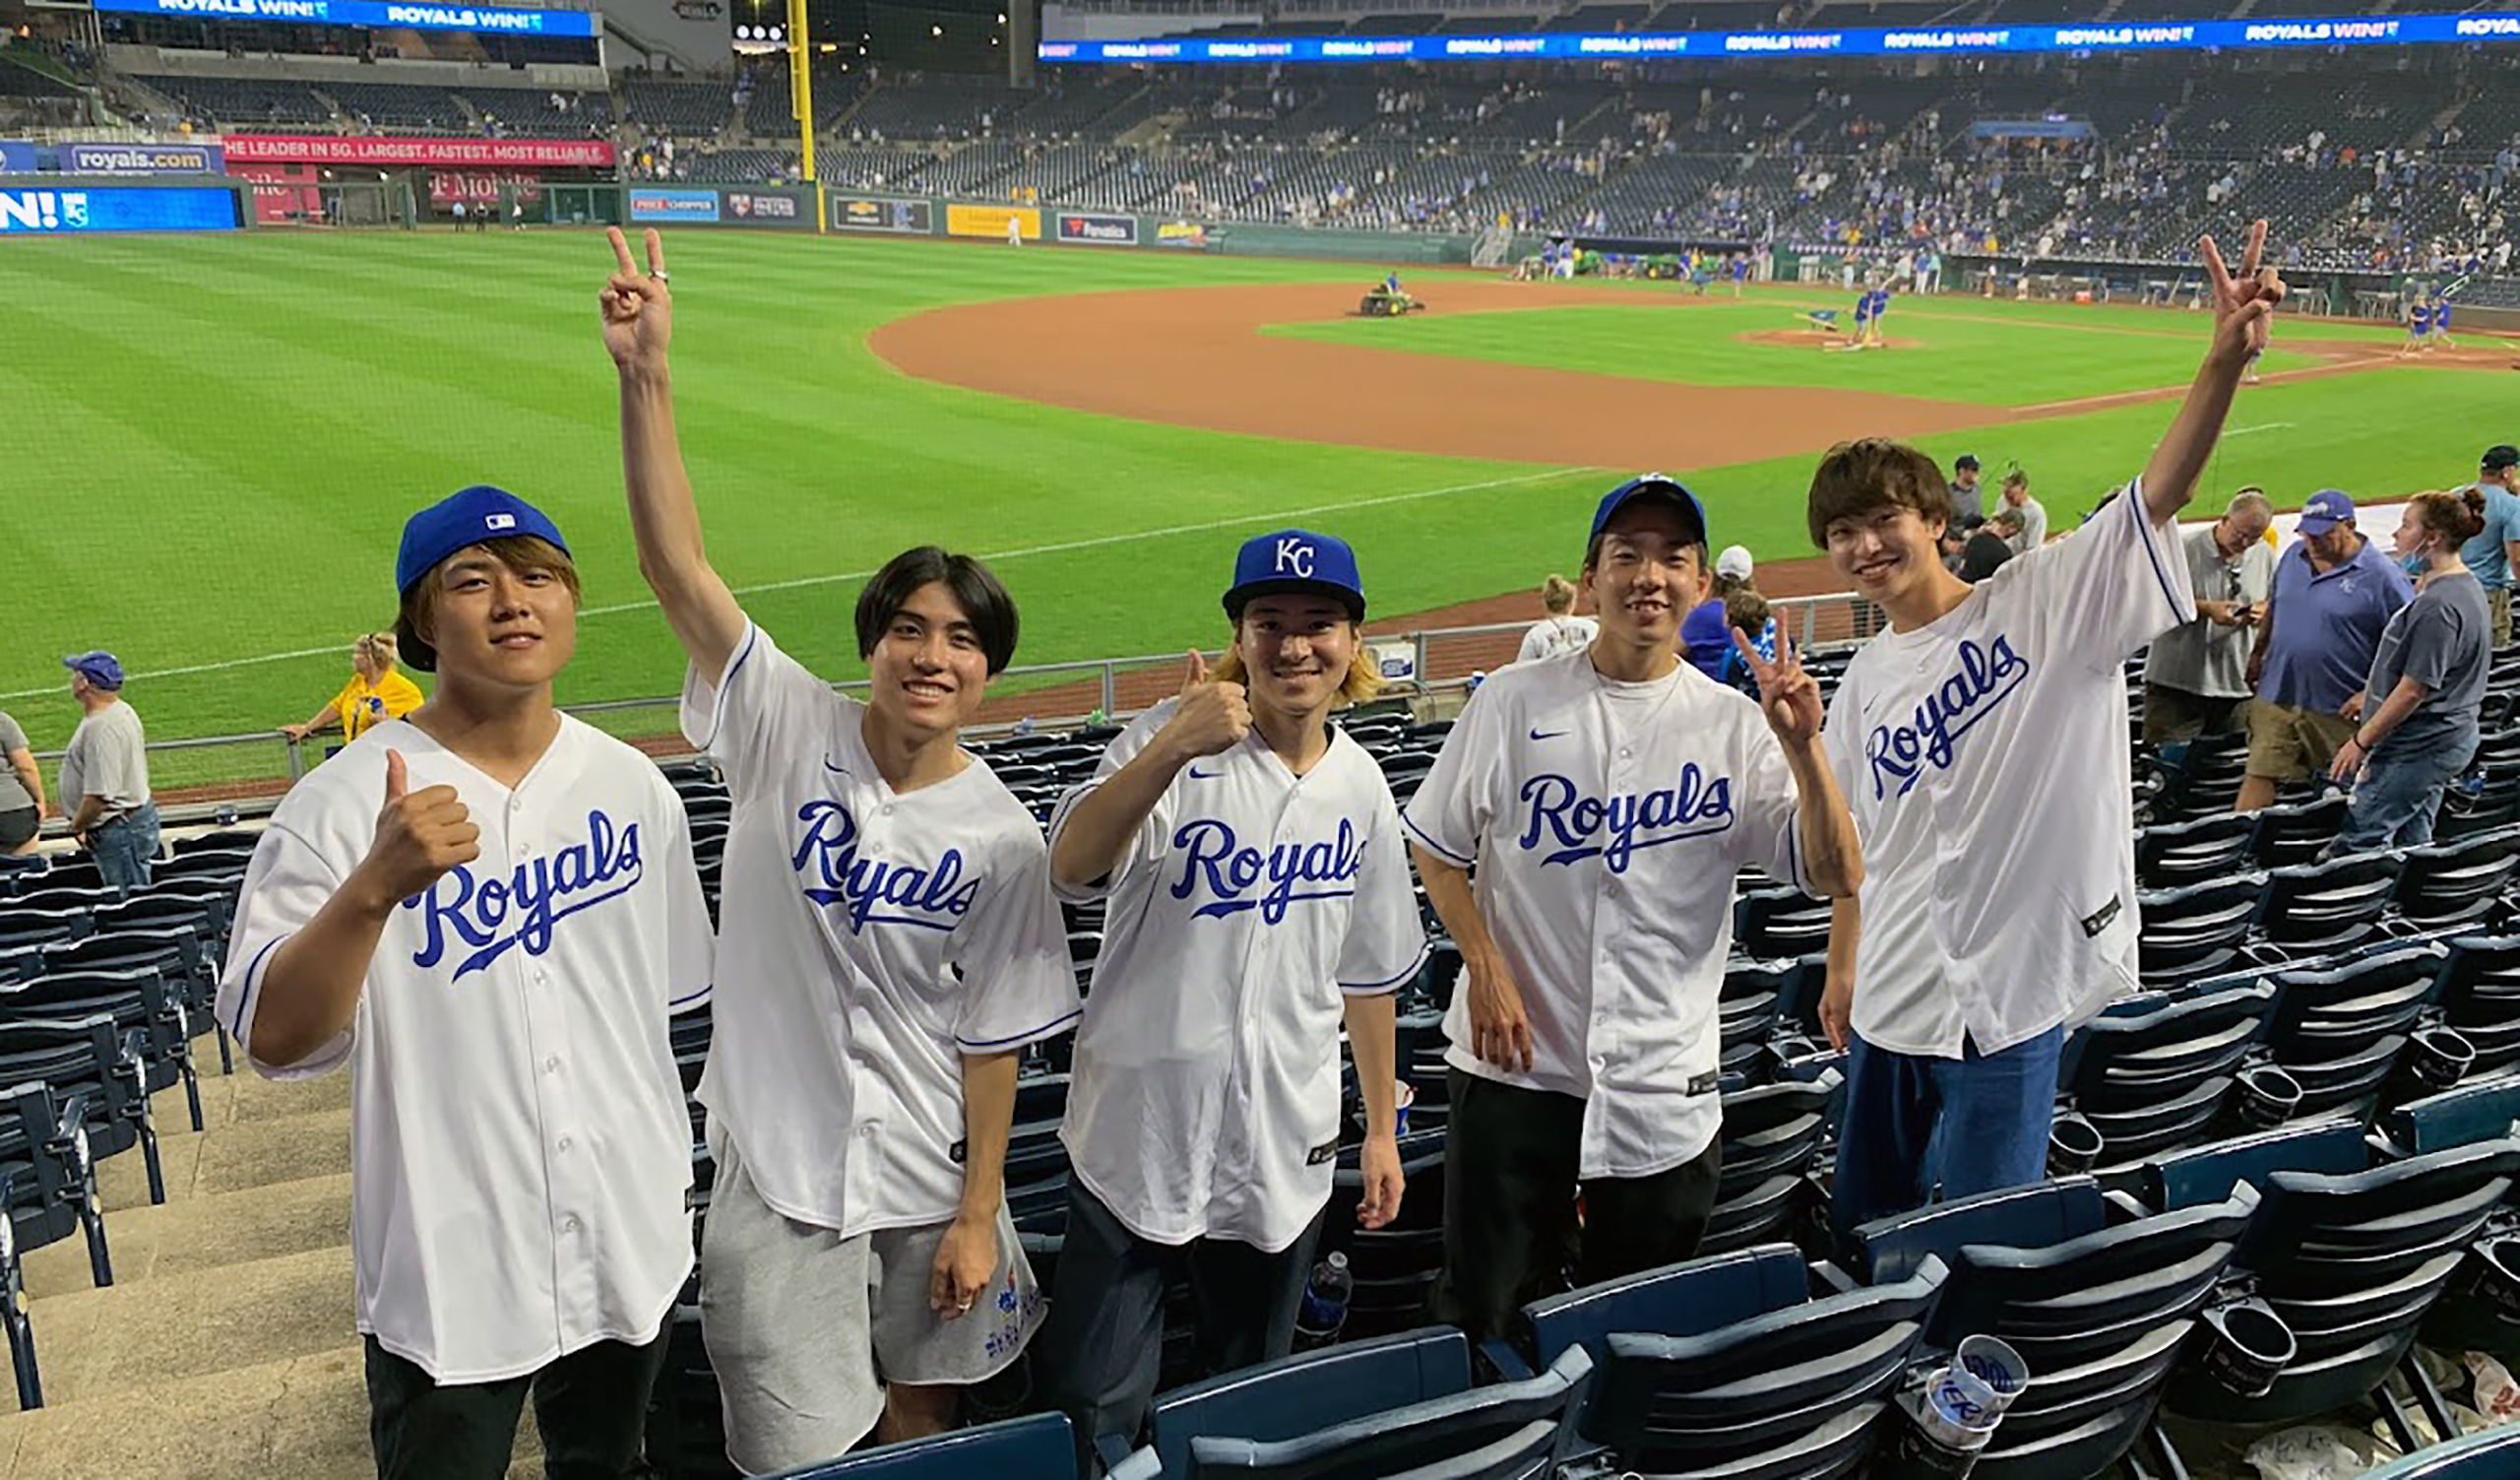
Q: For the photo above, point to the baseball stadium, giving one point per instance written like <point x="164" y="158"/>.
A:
<point x="2147" y="1104"/>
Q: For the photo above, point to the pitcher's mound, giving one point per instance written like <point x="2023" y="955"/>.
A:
<point x="1806" y="339"/>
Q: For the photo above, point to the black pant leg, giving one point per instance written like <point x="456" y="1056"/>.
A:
<point x="1245" y="1301"/>
<point x="421" y="1431"/>
<point x="1638" y="1223"/>
<point x="1510" y="1158"/>
<point x="1102" y="1348"/>
<point x="591" y="1409"/>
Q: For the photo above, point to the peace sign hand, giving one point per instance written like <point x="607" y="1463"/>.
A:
<point x="2244" y="305"/>
<point x="1787" y="694"/>
<point x="637" y="310"/>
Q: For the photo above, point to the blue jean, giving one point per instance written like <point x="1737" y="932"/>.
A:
<point x="2400" y="792"/>
<point x="1972" y="1125"/>
<point x="126" y="846"/>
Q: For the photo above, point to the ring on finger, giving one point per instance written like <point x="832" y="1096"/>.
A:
<point x="661" y="277"/>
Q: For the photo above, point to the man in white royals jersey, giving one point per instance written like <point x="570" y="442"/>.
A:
<point x="1606" y="797"/>
<point x="1257" y="896"/>
<point x="494" y="953"/>
<point x="1983" y="743"/>
<point x="890" y="943"/>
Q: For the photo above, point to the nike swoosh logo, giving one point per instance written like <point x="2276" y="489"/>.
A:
<point x="1542" y="735"/>
<point x="837" y="770"/>
<point x="1198" y="775"/>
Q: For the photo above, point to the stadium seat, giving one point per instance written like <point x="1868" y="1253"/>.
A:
<point x="1019" y="1449"/>
<point x="2480" y="997"/>
<point x="1416" y="1437"/>
<point x="1297" y="1394"/>
<point x="2099" y="1308"/>
<point x="2282" y="837"/>
<point x="2459" y="884"/>
<point x="2319" y="909"/>
<point x="1687" y="1299"/>
<point x="2169" y="855"/>
<point x="1771" y="1136"/>
<point x="138" y="998"/>
<point x="101" y="1070"/>
<point x="1395" y="1266"/>
<point x="2196" y="929"/>
<point x="47" y="1188"/>
<point x="2341" y="1031"/>
<point x="2152" y="1080"/>
<point x="2480" y="1109"/>
<point x="2491" y="1456"/>
<point x="1780" y="923"/>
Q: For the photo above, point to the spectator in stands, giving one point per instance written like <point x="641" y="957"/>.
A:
<point x="2423" y="704"/>
<point x="376" y="692"/>
<point x="2332" y="593"/>
<point x="1967" y="499"/>
<point x="1747" y="611"/>
<point x="1585" y="792"/>
<point x="21" y="791"/>
<point x="2032" y="532"/>
<point x="2496" y="549"/>
<point x="1560" y="631"/>
<point x="893" y="948"/>
<point x="494" y="953"/>
<point x="105" y="775"/>
<point x="1203" y="1114"/>
<point x="1988" y="547"/>
<point x="1983" y="743"/>
<point x="1706" y="638"/>
<point x="2197" y="676"/>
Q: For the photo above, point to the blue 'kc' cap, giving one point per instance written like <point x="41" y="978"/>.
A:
<point x="470" y="517"/>
<point x="98" y="667"/>
<point x="1655" y="486"/>
<point x="2325" y="510"/>
<point x="1296" y="560"/>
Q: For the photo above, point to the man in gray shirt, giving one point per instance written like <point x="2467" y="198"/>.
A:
<point x="1968" y="501"/>
<point x="2032" y="532"/>
<point x="2197" y="676"/>
<point x="105" y="775"/>
<point x="21" y="791"/>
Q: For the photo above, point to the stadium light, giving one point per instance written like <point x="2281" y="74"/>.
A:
<point x="936" y="31"/>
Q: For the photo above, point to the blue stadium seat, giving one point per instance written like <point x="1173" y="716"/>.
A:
<point x="1034" y="1448"/>
<point x="2196" y="929"/>
<point x="96" y="1066"/>
<point x="137" y="997"/>
<point x="1780" y="923"/>
<point x="2152" y="1080"/>
<point x="1796" y="1392"/>
<point x="2317" y="909"/>
<point x="2458" y="884"/>
<point x="2099" y="1316"/>
<point x="1309" y="1391"/>
<point x="2283" y="837"/>
<point x="2341" y="1031"/>
<point x="1394" y="1266"/>
<point x="1771" y="1137"/>
<point x="2480" y="997"/>
<point x="2169" y="855"/>
<point x="47" y="1191"/>
<point x="1687" y="1299"/>
<point x="2491" y="1456"/>
<point x="1417" y="1437"/>
<point x="2477" y="1110"/>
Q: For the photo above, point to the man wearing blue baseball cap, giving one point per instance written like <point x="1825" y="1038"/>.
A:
<point x="105" y="775"/>
<point x="487" y="910"/>
<point x="1606" y="797"/>
<point x="2333" y="593"/>
<point x="1257" y="895"/>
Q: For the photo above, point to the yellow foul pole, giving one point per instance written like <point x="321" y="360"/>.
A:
<point x="800" y="72"/>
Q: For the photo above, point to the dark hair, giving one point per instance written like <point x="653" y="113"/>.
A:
<point x="1857" y="478"/>
<point x="1747" y="610"/>
<point x="2460" y="517"/>
<point x="523" y="553"/>
<point x="985" y="602"/>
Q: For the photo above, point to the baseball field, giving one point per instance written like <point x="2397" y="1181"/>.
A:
<point x="213" y="443"/>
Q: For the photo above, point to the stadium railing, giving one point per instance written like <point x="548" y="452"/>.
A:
<point x="198" y="779"/>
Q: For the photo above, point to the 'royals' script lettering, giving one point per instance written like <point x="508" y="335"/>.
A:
<point x="494" y="915"/>
<point x="832" y="872"/>
<point x="1900" y="752"/>
<point x="1293" y="872"/>
<point x="1692" y="807"/>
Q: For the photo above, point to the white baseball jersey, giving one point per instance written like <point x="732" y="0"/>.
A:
<point x="1604" y="822"/>
<point x="1553" y="635"/>
<point x="1205" y="1102"/>
<point x="519" y="1153"/>
<point x="1985" y="758"/>
<point x="867" y="940"/>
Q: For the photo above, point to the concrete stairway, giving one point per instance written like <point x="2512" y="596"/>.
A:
<point x="226" y="1347"/>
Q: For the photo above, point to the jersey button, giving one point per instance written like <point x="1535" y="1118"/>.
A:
<point x="551" y="1065"/>
<point x="569" y="1224"/>
<point x="566" y="1144"/>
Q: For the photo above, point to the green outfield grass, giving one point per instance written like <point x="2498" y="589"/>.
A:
<point x="214" y="442"/>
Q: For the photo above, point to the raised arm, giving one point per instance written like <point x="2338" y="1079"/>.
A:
<point x="1790" y="698"/>
<point x="638" y="328"/>
<point x="2243" y="310"/>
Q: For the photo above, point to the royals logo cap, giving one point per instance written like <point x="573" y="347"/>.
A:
<point x="470" y="517"/>
<point x="1291" y="561"/>
<point x="1650" y="486"/>
<point x="2325" y="510"/>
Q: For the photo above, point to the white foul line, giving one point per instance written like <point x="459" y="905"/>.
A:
<point x="799" y="582"/>
<point x="2242" y="432"/>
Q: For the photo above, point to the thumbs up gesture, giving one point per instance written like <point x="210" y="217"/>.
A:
<point x="419" y="835"/>
<point x="1211" y="716"/>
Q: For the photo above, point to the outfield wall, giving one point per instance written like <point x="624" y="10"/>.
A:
<point x="856" y="213"/>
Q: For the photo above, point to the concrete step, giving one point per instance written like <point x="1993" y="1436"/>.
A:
<point x="91" y="1343"/>
<point x="201" y="1231"/>
<point x="299" y="1418"/>
<point x="237" y="1151"/>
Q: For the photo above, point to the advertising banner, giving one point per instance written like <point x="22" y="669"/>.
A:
<point x="769" y="208"/>
<point x="19" y="156"/>
<point x="117" y="208"/>
<point x="499" y="18"/>
<point x="482" y="187"/>
<point x="143" y="158"/>
<point x="871" y="213"/>
<point x="965" y="220"/>
<point x="512" y="153"/>
<point x="1182" y="233"/>
<point x="654" y="203"/>
<point x="1101" y="227"/>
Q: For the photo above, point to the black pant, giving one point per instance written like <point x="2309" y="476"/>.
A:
<point x="1103" y="1349"/>
<point x="1511" y="1159"/>
<point x="591" y="1406"/>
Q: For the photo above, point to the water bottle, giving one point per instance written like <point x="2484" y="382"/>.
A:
<point x="1325" y="1304"/>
